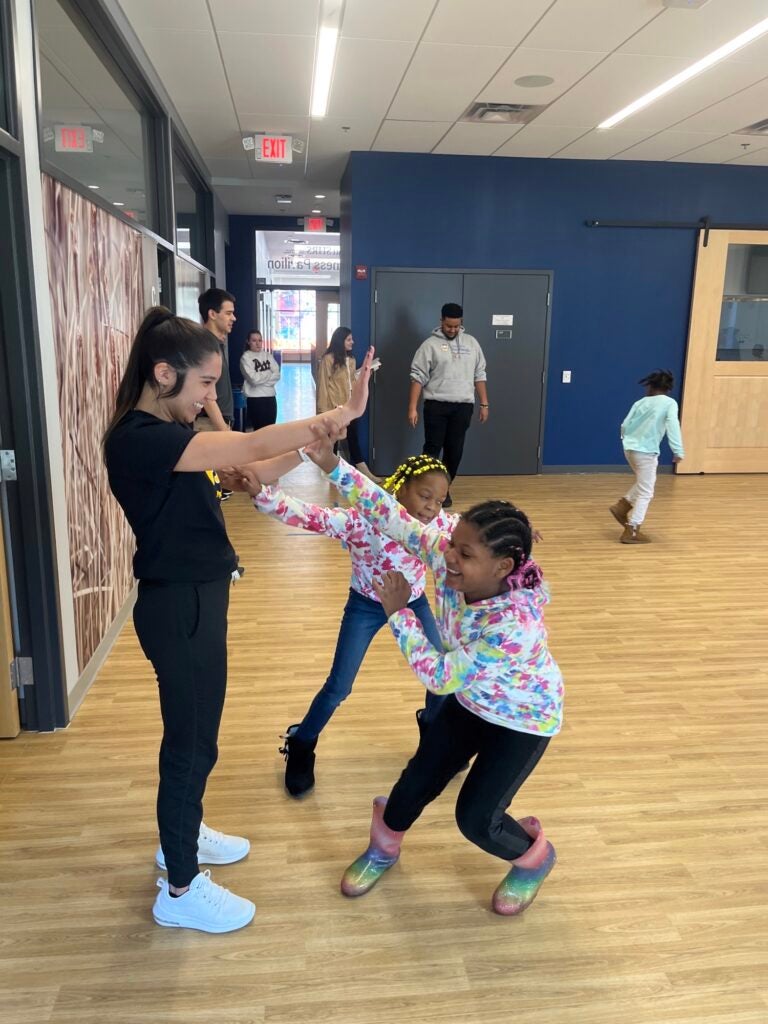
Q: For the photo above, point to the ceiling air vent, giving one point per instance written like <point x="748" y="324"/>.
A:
<point x="758" y="128"/>
<point x="502" y="113"/>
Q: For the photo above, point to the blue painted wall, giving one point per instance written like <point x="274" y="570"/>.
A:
<point x="621" y="296"/>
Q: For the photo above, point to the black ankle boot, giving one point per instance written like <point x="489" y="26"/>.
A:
<point x="299" y="763"/>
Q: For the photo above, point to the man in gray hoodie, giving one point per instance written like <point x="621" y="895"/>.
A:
<point x="448" y="368"/>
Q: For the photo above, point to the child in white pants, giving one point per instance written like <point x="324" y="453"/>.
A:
<point x="644" y="427"/>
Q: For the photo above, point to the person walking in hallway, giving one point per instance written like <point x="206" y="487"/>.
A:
<point x="448" y="368"/>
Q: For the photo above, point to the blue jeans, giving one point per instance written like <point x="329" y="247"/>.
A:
<point x="363" y="618"/>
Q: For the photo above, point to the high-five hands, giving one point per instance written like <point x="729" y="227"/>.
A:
<point x="393" y="590"/>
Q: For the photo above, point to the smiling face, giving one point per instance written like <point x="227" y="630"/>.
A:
<point x="422" y="497"/>
<point x="471" y="566"/>
<point x="199" y="387"/>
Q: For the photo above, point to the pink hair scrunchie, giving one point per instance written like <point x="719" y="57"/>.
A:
<point x="527" y="576"/>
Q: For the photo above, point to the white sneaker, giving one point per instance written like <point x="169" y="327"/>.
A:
<point x="213" y="848"/>
<point x="205" y="906"/>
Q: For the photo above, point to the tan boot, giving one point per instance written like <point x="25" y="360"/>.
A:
<point x="632" y="535"/>
<point x="620" y="510"/>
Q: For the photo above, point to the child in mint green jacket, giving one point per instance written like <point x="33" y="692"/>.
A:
<point x="642" y="431"/>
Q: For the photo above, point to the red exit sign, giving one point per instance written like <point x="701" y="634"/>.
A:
<point x="73" y="138"/>
<point x="274" y="149"/>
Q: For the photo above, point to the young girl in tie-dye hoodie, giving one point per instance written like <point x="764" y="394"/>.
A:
<point x="420" y="485"/>
<point x="505" y="689"/>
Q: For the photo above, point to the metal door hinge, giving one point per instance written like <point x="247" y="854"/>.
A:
<point x="7" y="464"/>
<point x="375" y="296"/>
<point x="21" y="674"/>
<point x="548" y="295"/>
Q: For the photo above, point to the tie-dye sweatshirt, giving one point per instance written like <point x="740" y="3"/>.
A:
<point x="495" y="656"/>
<point x="371" y="551"/>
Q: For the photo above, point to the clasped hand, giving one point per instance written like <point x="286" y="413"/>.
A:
<point x="393" y="590"/>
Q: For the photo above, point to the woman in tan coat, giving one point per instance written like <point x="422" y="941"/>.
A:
<point x="336" y="373"/>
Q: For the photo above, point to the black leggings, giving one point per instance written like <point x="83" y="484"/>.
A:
<point x="182" y="628"/>
<point x="504" y="761"/>
<point x="262" y="412"/>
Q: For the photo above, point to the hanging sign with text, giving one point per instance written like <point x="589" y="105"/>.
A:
<point x="274" y="149"/>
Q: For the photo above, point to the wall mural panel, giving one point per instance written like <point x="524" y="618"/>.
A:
<point x="96" y="280"/>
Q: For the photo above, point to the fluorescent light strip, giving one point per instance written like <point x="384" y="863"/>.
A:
<point x="325" y="57"/>
<point x="695" y="69"/>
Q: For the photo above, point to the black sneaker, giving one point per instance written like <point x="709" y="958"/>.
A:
<point x="299" y="763"/>
<point x="225" y="494"/>
<point x="448" y="500"/>
<point x="238" y="573"/>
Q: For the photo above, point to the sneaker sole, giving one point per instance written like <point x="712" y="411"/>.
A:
<point x="196" y="926"/>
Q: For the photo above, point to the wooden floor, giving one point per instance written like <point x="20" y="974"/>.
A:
<point x="654" y="795"/>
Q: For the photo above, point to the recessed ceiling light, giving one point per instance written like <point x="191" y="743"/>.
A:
<point x="325" y="58"/>
<point x="94" y="186"/>
<point x="118" y="204"/>
<point x="534" y="81"/>
<point x="319" y="196"/>
<point x="317" y="211"/>
<point x="690" y="72"/>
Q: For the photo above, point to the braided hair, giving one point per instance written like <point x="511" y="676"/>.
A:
<point x="659" y="380"/>
<point x="506" y="531"/>
<point x="416" y="465"/>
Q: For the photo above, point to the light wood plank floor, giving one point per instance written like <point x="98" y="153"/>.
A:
<point x="654" y="794"/>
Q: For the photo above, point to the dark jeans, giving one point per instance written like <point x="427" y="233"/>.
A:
<point x="445" y="424"/>
<point x="182" y="629"/>
<point x="262" y="412"/>
<point x="363" y="618"/>
<point x="504" y="761"/>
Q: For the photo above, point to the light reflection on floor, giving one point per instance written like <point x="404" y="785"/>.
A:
<point x="295" y="393"/>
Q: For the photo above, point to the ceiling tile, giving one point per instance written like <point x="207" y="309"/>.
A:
<point x="409" y="136"/>
<point x="328" y="136"/>
<point x="232" y="168"/>
<point x="756" y="157"/>
<point x="694" y="34"/>
<point x="715" y="152"/>
<point x="665" y="145"/>
<point x="729" y="115"/>
<point x="601" y="145"/>
<point x="275" y="124"/>
<point x="190" y="68"/>
<point x="395" y="19"/>
<point x="266" y="17"/>
<point x="443" y="80"/>
<point x="595" y="25"/>
<point x="367" y="75"/>
<point x="534" y="140"/>
<point x="476" y="139"/>
<point x="272" y="74"/>
<point x="566" y="67"/>
<point x="217" y="136"/>
<point x="484" y="22"/>
<point x="619" y="80"/>
<point x="147" y="15"/>
<point x="701" y="92"/>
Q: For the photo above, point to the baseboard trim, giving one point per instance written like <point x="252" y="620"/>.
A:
<point x="621" y="468"/>
<point x="91" y="670"/>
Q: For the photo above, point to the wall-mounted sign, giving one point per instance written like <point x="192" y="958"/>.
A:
<point x="502" y="319"/>
<point x="314" y="224"/>
<point x="361" y="273"/>
<point x="274" y="149"/>
<point x="73" y="138"/>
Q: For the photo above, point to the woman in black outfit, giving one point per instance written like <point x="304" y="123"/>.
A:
<point x="163" y="474"/>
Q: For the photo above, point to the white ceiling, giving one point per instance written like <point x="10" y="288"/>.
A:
<point x="407" y="70"/>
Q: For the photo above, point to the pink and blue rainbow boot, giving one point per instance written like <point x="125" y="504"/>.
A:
<point x="520" y="887"/>
<point x="383" y="851"/>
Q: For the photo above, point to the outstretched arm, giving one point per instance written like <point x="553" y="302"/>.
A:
<point x="214" y="450"/>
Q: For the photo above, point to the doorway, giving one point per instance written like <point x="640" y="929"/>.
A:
<point x="508" y="313"/>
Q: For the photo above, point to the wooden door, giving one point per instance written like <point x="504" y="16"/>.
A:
<point x="9" y="705"/>
<point x="725" y="389"/>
